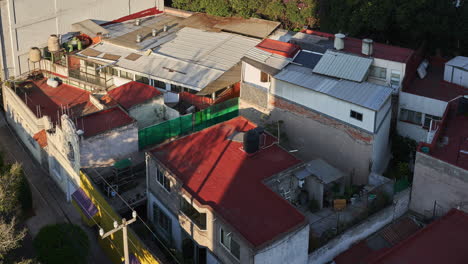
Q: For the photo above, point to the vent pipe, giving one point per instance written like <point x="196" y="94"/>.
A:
<point x="138" y="38"/>
<point x="339" y="41"/>
<point x="165" y="28"/>
<point x="154" y="32"/>
<point x="367" y="47"/>
<point x="137" y="22"/>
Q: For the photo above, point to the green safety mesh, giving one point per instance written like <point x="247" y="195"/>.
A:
<point x="188" y="123"/>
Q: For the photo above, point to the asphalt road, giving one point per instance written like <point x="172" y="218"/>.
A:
<point x="49" y="202"/>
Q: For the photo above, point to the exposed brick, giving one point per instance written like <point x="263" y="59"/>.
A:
<point x="356" y="134"/>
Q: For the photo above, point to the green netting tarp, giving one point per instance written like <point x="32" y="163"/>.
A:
<point x="189" y="123"/>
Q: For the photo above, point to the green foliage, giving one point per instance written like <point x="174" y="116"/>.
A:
<point x="404" y="171"/>
<point x="403" y="148"/>
<point x="62" y="243"/>
<point x="10" y="236"/>
<point x="15" y="193"/>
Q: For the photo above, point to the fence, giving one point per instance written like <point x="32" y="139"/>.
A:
<point x="188" y="123"/>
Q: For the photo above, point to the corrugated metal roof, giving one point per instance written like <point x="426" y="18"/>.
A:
<point x="343" y="66"/>
<point x="459" y="61"/>
<point x="193" y="58"/>
<point x="267" y="58"/>
<point x="320" y="169"/>
<point x="368" y="95"/>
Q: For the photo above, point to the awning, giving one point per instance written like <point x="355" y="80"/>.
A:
<point x="230" y="77"/>
<point x="85" y="203"/>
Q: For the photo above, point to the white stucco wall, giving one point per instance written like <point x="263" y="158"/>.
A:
<point x="149" y="113"/>
<point x="381" y="151"/>
<point x="292" y="249"/>
<point x="389" y="65"/>
<point x="251" y="75"/>
<point x="28" y="23"/>
<point x="109" y="147"/>
<point x="176" y="229"/>
<point x="325" y="104"/>
<point x="371" y="225"/>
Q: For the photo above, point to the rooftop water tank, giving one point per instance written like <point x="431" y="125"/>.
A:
<point x="34" y="54"/>
<point x="53" y="43"/>
<point x="251" y="141"/>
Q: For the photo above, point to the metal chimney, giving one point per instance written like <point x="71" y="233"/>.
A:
<point x="138" y="38"/>
<point x="339" y="41"/>
<point x="367" y="47"/>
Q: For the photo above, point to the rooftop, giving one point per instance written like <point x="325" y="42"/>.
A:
<point x="443" y="241"/>
<point x="459" y="62"/>
<point x="354" y="45"/>
<point x="343" y="66"/>
<point x="365" y="94"/>
<point x="279" y="47"/>
<point x="102" y="121"/>
<point x="433" y="85"/>
<point x="133" y="93"/>
<point x="53" y="102"/>
<point x="451" y="145"/>
<point x="218" y="173"/>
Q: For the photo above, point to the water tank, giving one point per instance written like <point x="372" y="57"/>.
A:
<point x="34" y="54"/>
<point x="339" y="41"/>
<point x="251" y="141"/>
<point x="367" y="47"/>
<point x="53" y="43"/>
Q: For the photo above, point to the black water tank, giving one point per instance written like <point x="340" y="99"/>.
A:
<point x="251" y="141"/>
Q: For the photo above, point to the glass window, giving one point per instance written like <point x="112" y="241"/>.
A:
<point x="378" y="72"/>
<point x="395" y="79"/>
<point x="126" y="75"/>
<point x="71" y="152"/>
<point x="428" y="118"/>
<point x="356" y="115"/>
<point x="199" y="219"/>
<point x="229" y="243"/>
<point x="188" y="90"/>
<point x="176" y="88"/>
<point x="410" y="116"/>
<point x="142" y="79"/>
<point x="159" y="84"/>
<point x="264" y="77"/>
<point x="162" y="221"/>
<point x="163" y="180"/>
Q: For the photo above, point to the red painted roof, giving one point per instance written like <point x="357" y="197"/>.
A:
<point x="380" y="51"/>
<point x="218" y="173"/>
<point x="284" y="49"/>
<point x="51" y="100"/>
<point x="434" y="86"/>
<point x="133" y="93"/>
<point x="41" y="138"/>
<point x="102" y="121"/>
<point x="443" y="241"/>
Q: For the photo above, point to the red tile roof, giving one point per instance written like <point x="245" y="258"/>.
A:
<point x="102" y="121"/>
<point x="51" y="100"/>
<point x="443" y="241"/>
<point x="284" y="49"/>
<point x="434" y="86"/>
<point x="41" y="138"/>
<point x="218" y="173"/>
<point x="380" y="51"/>
<point x="133" y="93"/>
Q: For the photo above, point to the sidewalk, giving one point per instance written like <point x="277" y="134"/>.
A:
<point x="49" y="202"/>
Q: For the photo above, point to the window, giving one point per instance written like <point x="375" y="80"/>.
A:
<point x="356" y="115"/>
<point x="229" y="243"/>
<point x="141" y="79"/>
<point x="159" y="84"/>
<point x="176" y="88"/>
<point x="410" y="116"/>
<point x="395" y="79"/>
<point x="163" y="180"/>
<point x="111" y="71"/>
<point x="199" y="219"/>
<point x="71" y="152"/>
<point x="188" y="90"/>
<point x="126" y="75"/>
<point x="162" y="221"/>
<point x="264" y="77"/>
<point x="428" y="118"/>
<point x="378" y="72"/>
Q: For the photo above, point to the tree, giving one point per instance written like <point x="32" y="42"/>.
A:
<point x="14" y="190"/>
<point x="62" y="243"/>
<point x="10" y="236"/>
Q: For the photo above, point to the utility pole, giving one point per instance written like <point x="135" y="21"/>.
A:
<point x="117" y="227"/>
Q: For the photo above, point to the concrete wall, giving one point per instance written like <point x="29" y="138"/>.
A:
<point x="323" y="103"/>
<point x="291" y="249"/>
<point x="109" y="147"/>
<point x="317" y="136"/>
<point x="254" y="94"/>
<point x="28" y="23"/>
<point x="151" y="112"/>
<point x="381" y="148"/>
<point x="436" y="180"/>
<point x="353" y="235"/>
<point x="389" y="65"/>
